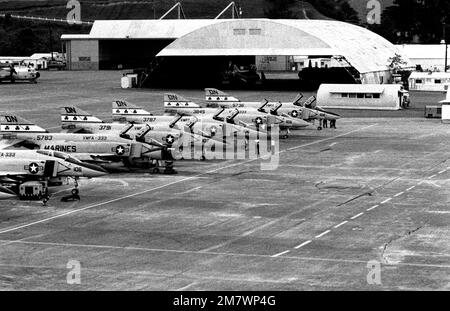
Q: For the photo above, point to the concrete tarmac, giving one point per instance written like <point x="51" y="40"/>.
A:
<point x="341" y="201"/>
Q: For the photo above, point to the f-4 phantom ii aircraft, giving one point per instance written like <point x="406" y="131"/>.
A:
<point x="307" y="111"/>
<point x="78" y="121"/>
<point x="205" y="125"/>
<point x="9" y="72"/>
<point x="29" y="173"/>
<point x="249" y="117"/>
<point x="110" y="152"/>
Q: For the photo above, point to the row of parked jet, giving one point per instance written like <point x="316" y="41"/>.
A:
<point x="33" y="159"/>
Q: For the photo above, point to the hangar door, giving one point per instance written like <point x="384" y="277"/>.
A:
<point x="128" y="54"/>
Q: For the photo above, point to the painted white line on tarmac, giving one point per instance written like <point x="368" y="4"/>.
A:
<point x="175" y="251"/>
<point x="341" y="224"/>
<point x="6" y="230"/>
<point x="373" y="207"/>
<point x="410" y="188"/>
<point x="356" y="216"/>
<point x="186" y="287"/>
<point x="399" y="194"/>
<point x="280" y="254"/>
<point x="322" y="234"/>
<point x="442" y="172"/>
<point x="385" y="201"/>
<point x="331" y="138"/>
<point x="303" y="244"/>
<point x="432" y="176"/>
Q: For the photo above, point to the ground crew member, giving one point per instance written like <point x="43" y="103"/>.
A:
<point x="333" y="124"/>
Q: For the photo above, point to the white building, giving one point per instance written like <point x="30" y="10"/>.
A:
<point x="362" y="96"/>
<point x="429" y="81"/>
<point x="428" y="56"/>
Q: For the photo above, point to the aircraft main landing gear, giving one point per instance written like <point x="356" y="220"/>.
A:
<point x="168" y="167"/>
<point x="284" y="134"/>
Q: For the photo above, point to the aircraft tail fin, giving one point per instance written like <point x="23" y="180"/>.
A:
<point x="73" y="116"/>
<point x="122" y="108"/>
<point x="310" y="103"/>
<point x="263" y="105"/>
<point x="172" y="100"/>
<point x="230" y="118"/>
<point x="11" y="123"/>
<point x="275" y="109"/>
<point x="215" y="95"/>
<point x="297" y="99"/>
<point x="140" y="137"/>
<point x="217" y="116"/>
<point x="177" y="118"/>
<point x="192" y="122"/>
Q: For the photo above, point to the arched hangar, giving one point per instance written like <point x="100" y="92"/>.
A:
<point x="202" y="45"/>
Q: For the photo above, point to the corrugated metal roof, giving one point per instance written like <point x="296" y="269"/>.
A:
<point x="147" y="29"/>
<point x="363" y="49"/>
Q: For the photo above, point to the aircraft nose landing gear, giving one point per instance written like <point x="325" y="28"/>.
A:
<point x="169" y="168"/>
<point x="45" y="199"/>
<point x="74" y="196"/>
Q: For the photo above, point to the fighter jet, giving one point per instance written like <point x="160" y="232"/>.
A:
<point x="248" y="117"/>
<point x="109" y="151"/>
<point x="208" y="125"/>
<point x="78" y="121"/>
<point x="29" y="173"/>
<point x="9" y="72"/>
<point x="306" y="111"/>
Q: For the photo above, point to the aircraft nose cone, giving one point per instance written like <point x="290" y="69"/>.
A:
<point x="299" y="123"/>
<point x="6" y="193"/>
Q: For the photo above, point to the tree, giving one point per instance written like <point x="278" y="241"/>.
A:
<point x="312" y="9"/>
<point x="414" y="21"/>
<point x="279" y="9"/>
<point x="396" y="62"/>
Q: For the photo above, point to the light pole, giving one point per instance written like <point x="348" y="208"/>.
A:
<point x="444" y="41"/>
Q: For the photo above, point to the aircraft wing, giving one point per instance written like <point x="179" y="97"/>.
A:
<point x="99" y="158"/>
<point x="12" y="174"/>
<point x="11" y="177"/>
<point x="10" y="143"/>
<point x="244" y="124"/>
<point x="202" y="133"/>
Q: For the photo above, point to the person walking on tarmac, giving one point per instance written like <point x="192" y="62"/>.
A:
<point x="12" y="71"/>
<point x="325" y="123"/>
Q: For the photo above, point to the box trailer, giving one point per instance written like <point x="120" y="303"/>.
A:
<point x="363" y="96"/>
<point x="433" y="112"/>
<point x="429" y="81"/>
